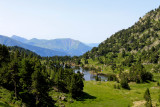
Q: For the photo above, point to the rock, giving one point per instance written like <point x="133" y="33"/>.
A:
<point x="63" y="98"/>
<point x="62" y="105"/>
<point x="24" y="105"/>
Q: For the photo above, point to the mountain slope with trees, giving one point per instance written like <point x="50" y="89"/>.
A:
<point x="30" y="79"/>
<point x="130" y="58"/>
<point x="132" y="54"/>
<point x="140" y="42"/>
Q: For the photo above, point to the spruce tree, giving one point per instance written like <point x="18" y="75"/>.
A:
<point x="14" y="78"/>
<point x="147" y="97"/>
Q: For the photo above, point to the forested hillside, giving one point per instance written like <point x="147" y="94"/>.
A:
<point x="28" y="80"/>
<point x="139" y="43"/>
<point x="142" y="37"/>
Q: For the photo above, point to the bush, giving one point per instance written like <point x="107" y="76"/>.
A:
<point x="124" y="84"/>
<point x="112" y="77"/>
<point x="116" y="86"/>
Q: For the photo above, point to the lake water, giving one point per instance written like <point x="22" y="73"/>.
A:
<point x="88" y="75"/>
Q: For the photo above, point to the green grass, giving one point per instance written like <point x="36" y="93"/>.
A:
<point x="103" y="94"/>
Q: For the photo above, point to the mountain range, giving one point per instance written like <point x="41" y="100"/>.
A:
<point x="43" y="47"/>
<point x="66" y="45"/>
<point x="40" y="51"/>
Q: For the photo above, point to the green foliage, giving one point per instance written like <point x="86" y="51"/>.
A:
<point x="76" y="85"/>
<point x="31" y="80"/>
<point x="147" y="97"/>
<point x="27" y="78"/>
<point x="159" y="98"/>
<point x="156" y="69"/>
<point x="24" y="52"/>
<point x="86" y="61"/>
<point x="130" y="48"/>
<point x="123" y="53"/>
<point x="139" y="74"/>
<point x="117" y="86"/>
<point x="129" y="61"/>
<point x="124" y="84"/>
<point x="4" y="54"/>
<point x="112" y="77"/>
<point x="113" y="67"/>
<point x="124" y="80"/>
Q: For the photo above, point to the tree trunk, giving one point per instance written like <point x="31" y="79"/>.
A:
<point x="15" y="89"/>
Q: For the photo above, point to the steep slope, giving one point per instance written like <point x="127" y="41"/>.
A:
<point x="144" y="35"/>
<point x="41" y="51"/>
<point x="70" y="46"/>
<point x="134" y="50"/>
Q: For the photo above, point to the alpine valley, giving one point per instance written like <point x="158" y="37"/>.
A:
<point x="123" y="71"/>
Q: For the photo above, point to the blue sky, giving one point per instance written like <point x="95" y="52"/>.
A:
<point x="90" y="21"/>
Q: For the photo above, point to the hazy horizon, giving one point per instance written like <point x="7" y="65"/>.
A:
<point x="89" y="21"/>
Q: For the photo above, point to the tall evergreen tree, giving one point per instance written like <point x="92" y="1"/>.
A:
<point x="147" y="97"/>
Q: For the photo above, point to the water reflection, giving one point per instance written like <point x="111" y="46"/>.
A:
<point x="88" y="75"/>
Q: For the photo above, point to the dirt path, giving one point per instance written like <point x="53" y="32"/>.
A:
<point x="139" y="103"/>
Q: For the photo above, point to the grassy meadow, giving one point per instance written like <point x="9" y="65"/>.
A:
<point x="99" y="94"/>
<point x="103" y="94"/>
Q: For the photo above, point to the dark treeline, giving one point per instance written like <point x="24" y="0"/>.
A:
<point x="65" y="59"/>
<point x="24" y="52"/>
<point x="30" y="78"/>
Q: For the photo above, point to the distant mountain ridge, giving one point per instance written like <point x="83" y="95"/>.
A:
<point x="19" y="38"/>
<point x="67" y="45"/>
<point x="40" y="51"/>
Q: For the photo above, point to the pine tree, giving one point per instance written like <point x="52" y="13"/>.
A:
<point x="147" y="97"/>
<point x="40" y="86"/>
<point x="76" y="85"/>
<point x="14" y="78"/>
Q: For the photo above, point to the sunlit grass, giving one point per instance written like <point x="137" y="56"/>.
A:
<point x="103" y="94"/>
